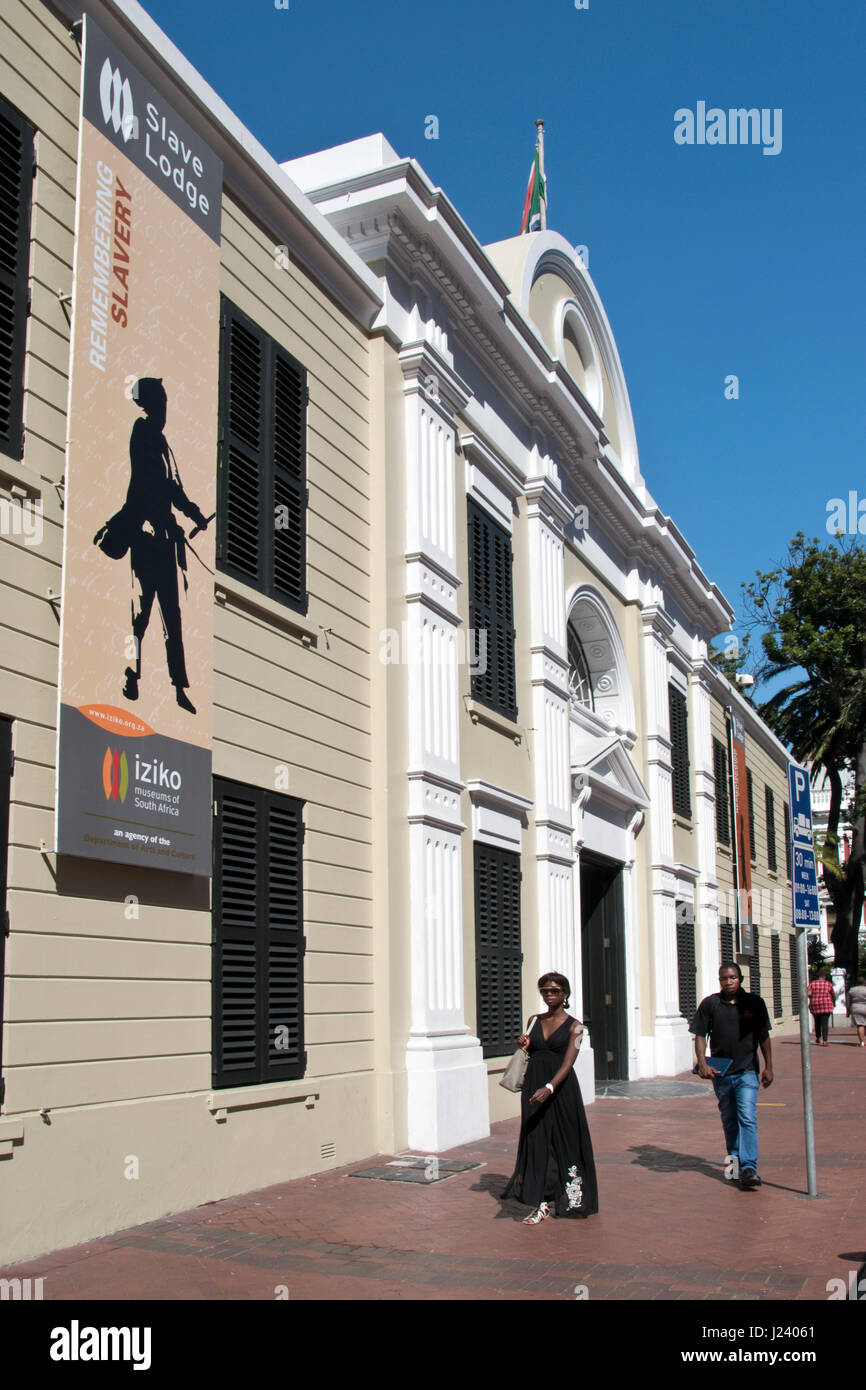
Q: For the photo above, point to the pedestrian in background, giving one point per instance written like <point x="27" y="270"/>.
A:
<point x="822" y="1002"/>
<point x="555" y="1169"/>
<point x="737" y="1024"/>
<point x="857" y="1008"/>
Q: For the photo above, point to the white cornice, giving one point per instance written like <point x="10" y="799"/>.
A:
<point x="488" y="794"/>
<point x="395" y="213"/>
<point x="477" y="451"/>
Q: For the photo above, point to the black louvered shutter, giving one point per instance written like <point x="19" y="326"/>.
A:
<point x="770" y="804"/>
<point x="686" y="962"/>
<point x="498" y="956"/>
<point x="755" y="966"/>
<point x="776" y="957"/>
<point x="16" y="189"/>
<point x="726" y="943"/>
<point x="289" y="498"/>
<point x="787" y="840"/>
<point x="491" y="609"/>
<point x="753" y="853"/>
<point x="284" y="1041"/>
<point x="243" y="462"/>
<point x="792" y="961"/>
<point x="723" y="803"/>
<point x="262" y="521"/>
<point x="258" y="943"/>
<point x="5" y="796"/>
<point x="677" y="704"/>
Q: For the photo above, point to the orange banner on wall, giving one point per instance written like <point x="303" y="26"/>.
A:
<point x="136" y="659"/>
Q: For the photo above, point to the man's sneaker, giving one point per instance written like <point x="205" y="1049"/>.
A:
<point x="749" y="1178"/>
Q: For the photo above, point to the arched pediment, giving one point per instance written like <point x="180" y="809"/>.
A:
<point x="555" y="291"/>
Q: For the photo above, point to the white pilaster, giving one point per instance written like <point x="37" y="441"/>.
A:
<point x="707" y="889"/>
<point x="447" y="1077"/>
<point x="547" y="513"/>
<point x="671" y="1045"/>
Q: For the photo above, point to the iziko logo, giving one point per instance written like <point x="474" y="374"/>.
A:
<point x="157" y="774"/>
<point x="115" y="775"/>
<point x="739" y="126"/>
<point x="115" y="95"/>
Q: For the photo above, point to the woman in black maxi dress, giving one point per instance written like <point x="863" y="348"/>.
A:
<point x="554" y="1159"/>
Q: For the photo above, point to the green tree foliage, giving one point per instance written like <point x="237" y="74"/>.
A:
<point x="812" y="610"/>
<point x="734" y="658"/>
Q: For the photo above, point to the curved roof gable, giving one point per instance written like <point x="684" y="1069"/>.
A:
<point x="552" y="287"/>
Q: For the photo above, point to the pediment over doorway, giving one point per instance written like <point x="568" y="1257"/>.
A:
<point x="602" y="765"/>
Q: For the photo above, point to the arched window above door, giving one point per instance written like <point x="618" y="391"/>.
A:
<point x="579" y="678"/>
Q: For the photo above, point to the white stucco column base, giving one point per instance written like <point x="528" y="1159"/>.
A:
<point x="448" y="1105"/>
<point x="585" y="1069"/>
<point x="674" y="1052"/>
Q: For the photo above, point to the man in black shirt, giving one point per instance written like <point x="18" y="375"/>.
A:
<point x="737" y="1024"/>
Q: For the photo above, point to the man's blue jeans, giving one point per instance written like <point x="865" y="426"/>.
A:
<point x="738" y="1096"/>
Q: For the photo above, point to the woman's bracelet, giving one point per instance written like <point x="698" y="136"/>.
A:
<point x="549" y="1087"/>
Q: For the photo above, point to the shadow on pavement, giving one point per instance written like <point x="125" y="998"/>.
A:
<point x="669" y="1161"/>
<point x="493" y="1184"/>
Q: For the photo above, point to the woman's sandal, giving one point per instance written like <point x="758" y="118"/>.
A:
<point x="541" y="1212"/>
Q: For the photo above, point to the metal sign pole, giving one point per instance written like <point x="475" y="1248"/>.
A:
<point x="806" y="1064"/>
<point x="804" y="893"/>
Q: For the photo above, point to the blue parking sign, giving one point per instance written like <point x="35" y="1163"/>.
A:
<point x="800" y="797"/>
<point x="804" y="885"/>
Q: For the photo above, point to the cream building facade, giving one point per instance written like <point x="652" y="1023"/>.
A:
<point x="769" y="959"/>
<point x="111" y="1114"/>
<point x="490" y="721"/>
<point x="580" y="769"/>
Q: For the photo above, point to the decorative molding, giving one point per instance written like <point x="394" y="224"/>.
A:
<point x="435" y="801"/>
<point x="489" y="794"/>
<point x="442" y="388"/>
<point x="430" y="583"/>
<point x="479" y="453"/>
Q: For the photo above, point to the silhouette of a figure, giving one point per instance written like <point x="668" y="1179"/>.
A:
<point x="157" y="543"/>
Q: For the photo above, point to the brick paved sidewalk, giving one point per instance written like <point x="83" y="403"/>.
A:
<point x="669" y="1226"/>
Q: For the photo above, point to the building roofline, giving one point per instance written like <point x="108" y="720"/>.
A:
<point x="395" y="204"/>
<point x="250" y="172"/>
<point x="728" y="694"/>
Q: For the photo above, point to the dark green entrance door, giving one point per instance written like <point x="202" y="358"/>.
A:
<point x="603" y="953"/>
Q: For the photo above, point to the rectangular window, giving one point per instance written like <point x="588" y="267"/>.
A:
<point x="792" y="958"/>
<point x="776" y="955"/>
<point x="262" y="479"/>
<point x="723" y="800"/>
<point x="258" y="943"/>
<point x="770" y="805"/>
<point x="753" y="853"/>
<point x="5" y="796"/>
<point x="16" y="190"/>
<point x="680" y="751"/>
<point x="498" y="956"/>
<point x="787" y="840"/>
<point x="686" y="963"/>
<point x="491" y="609"/>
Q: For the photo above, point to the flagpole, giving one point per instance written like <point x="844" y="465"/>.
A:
<point x="540" y="143"/>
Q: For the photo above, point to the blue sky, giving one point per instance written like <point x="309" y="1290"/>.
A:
<point x="711" y="260"/>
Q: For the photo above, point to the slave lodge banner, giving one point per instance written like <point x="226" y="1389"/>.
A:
<point x="136" y="651"/>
